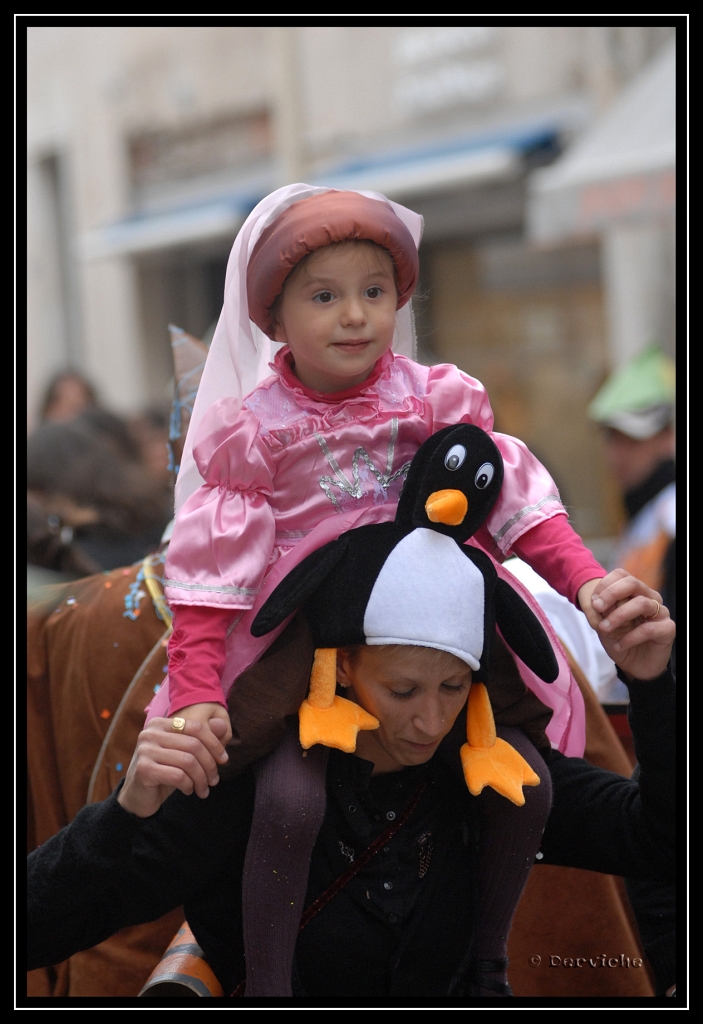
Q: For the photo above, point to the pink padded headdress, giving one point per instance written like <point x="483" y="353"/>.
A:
<point x="318" y="221"/>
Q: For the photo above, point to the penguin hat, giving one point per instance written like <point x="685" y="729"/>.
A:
<point x="415" y="581"/>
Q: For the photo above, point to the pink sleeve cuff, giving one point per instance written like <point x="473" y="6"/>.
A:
<point x="556" y="552"/>
<point x="196" y="655"/>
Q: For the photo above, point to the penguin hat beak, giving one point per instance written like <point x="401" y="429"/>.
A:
<point x="448" y="507"/>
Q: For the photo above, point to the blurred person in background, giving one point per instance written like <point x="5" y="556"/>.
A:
<point x="67" y="395"/>
<point x="636" y="408"/>
<point x="52" y="555"/>
<point x="150" y="430"/>
<point x="114" y="431"/>
<point x="88" y="475"/>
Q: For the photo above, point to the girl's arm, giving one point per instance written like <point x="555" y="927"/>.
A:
<point x="528" y="518"/>
<point x="221" y="546"/>
<point x="556" y="552"/>
<point x="196" y="660"/>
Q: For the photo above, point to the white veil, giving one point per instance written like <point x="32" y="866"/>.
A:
<point x="240" y="353"/>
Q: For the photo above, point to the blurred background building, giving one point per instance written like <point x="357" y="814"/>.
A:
<point x="541" y="157"/>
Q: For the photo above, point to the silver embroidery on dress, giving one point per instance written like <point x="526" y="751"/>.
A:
<point x="523" y="512"/>
<point x="354" y="488"/>
<point x="247" y="591"/>
<point x="284" y="535"/>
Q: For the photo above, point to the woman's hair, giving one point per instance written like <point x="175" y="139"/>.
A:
<point x="399" y="652"/>
<point x="87" y="462"/>
<point x="54" y="396"/>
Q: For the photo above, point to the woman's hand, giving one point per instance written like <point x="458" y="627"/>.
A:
<point x="206" y="713"/>
<point x="635" y="628"/>
<point x="164" y="761"/>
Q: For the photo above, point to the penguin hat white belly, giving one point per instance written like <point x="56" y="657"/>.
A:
<point x="414" y="581"/>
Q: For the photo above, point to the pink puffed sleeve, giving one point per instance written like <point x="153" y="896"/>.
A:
<point x="529" y="495"/>
<point x="224" y="534"/>
<point x="454" y="397"/>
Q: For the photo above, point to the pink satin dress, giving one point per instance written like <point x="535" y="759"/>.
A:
<point x="291" y="469"/>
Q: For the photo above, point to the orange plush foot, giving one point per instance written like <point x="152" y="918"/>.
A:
<point x="334" y="726"/>
<point x="501" y="767"/>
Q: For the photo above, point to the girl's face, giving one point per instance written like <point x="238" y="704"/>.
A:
<point x="337" y="314"/>
<point x="416" y="695"/>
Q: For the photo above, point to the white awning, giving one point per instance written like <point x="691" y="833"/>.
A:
<point x="623" y="168"/>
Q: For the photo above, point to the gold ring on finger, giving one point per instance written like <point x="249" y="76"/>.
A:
<point x="178" y="724"/>
<point x="656" y="612"/>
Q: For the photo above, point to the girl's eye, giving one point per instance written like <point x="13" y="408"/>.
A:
<point x="323" y="297"/>
<point x="402" y="695"/>
<point x="454" y="689"/>
<point x="455" y="457"/>
<point x="484" y="476"/>
<point x="373" y="292"/>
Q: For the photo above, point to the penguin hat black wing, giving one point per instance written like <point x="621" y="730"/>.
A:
<point x="414" y="581"/>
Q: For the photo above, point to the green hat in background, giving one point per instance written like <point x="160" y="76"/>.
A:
<point x="638" y="399"/>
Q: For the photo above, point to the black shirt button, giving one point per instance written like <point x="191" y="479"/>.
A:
<point x="386" y="849"/>
<point x="539" y="856"/>
<point x="352" y="808"/>
<point x="392" y="918"/>
<point x="387" y="885"/>
<point x="390" y="815"/>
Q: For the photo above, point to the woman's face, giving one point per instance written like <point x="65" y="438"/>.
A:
<point x="337" y="314"/>
<point x="415" y="693"/>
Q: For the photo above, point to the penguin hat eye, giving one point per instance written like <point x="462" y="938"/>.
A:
<point x="455" y="457"/>
<point x="484" y="476"/>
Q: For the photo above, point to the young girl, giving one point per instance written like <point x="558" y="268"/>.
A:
<point x="323" y="443"/>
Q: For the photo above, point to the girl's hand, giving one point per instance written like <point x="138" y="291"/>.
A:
<point x="164" y="761"/>
<point x="584" y="596"/>
<point x="635" y="628"/>
<point x="205" y="713"/>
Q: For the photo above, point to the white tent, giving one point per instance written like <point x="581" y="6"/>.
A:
<point x="622" y="168"/>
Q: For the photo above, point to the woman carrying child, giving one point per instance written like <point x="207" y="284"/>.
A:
<point x="274" y="470"/>
<point x="392" y="902"/>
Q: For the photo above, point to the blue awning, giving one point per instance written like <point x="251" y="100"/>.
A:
<point x="398" y="173"/>
<point x="432" y="165"/>
<point x="177" y="226"/>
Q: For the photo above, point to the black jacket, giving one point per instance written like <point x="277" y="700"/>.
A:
<point x="395" y="930"/>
